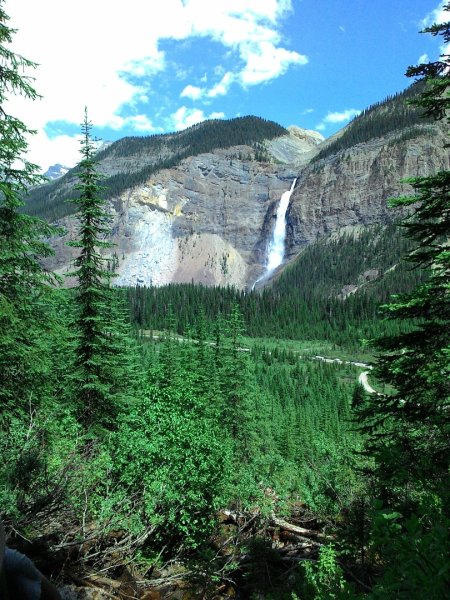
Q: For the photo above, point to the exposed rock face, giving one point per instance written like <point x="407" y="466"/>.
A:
<point x="352" y="187"/>
<point x="207" y="220"/>
<point x="297" y="148"/>
<point x="55" y="171"/>
<point x="210" y="219"/>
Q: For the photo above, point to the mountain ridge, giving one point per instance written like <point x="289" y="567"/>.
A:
<point x="210" y="215"/>
<point x="131" y="160"/>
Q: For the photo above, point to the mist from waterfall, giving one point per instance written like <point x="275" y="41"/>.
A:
<point x="276" y="246"/>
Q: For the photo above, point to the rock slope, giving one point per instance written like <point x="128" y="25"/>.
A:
<point x="210" y="218"/>
<point x="352" y="187"/>
<point x="206" y="220"/>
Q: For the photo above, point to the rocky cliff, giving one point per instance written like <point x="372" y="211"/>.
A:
<point x="209" y="217"/>
<point x="352" y="186"/>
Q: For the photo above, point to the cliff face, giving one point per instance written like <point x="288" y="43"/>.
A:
<point x="210" y="219"/>
<point x="204" y="218"/>
<point x="207" y="220"/>
<point x="353" y="186"/>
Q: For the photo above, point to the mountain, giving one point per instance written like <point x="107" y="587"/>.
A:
<point x="331" y="291"/>
<point x="132" y="160"/>
<point x="200" y="205"/>
<point x="350" y="179"/>
<point x="204" y="198"/>
<point x="56" y="171"/>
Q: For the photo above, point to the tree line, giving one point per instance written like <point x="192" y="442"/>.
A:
<point x="124" y="445"/>
<point x="395" y="113"/>
<point x="165" y="151"/>
<point x="306" y="301"/>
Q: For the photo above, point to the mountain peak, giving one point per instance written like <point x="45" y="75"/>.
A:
<point x="56" y="171"/>
<point x="305" y="134"/>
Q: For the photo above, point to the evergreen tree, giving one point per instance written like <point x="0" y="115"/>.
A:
<point x="28" y="330"/>
<point x="23" y="281"/>
<point x="409" y="429"/>
<point x="101" y="354"/>
<point x="415" y="445"/>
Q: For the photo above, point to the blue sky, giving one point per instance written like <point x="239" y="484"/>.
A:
<point x="154" y="66"/>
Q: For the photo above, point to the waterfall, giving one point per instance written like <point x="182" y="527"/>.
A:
<point x="276" y="246"/>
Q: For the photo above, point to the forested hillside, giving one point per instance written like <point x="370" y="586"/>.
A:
<point x="167" y="455"/>
<point x="395" y="113"/>
<point x="157" y="152"/>
<point x="332" y="291"/>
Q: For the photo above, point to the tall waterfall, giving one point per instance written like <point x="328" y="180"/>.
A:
<point x="276" y="246"/>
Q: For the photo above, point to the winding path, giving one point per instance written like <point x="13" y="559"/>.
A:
<point x="362" y="379"/>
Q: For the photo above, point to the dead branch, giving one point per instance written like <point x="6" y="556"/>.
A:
<point x="296" y="530"/>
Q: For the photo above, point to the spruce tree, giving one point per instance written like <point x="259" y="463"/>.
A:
<point x="409" y="429"/>
<point x="23" y="281"/>
<point x="28" y="328"/>
<point x="101" y="368"/>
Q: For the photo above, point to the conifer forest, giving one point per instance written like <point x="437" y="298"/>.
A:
<point x="187" y="441"/>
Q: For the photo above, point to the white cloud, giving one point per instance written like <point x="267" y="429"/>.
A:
<point x="266" y="62"/>
<point x="192" y="91"/>
<point x="340" y="117"/>
<point x="103" y="56"/>
<point x="139" y="122"/>
<point x="221" y="88"/>
<point x="423" y="58"/>
<point x="186" y="117"/>
<point x="63" y="149"/>
<point x="248" y="26"/>
<point x="147" y="66"/>
<point x="439" y="15"/>
<point x="337" y="117"/>
<point x="217" y="115"/>
<point x="80" y="63"/>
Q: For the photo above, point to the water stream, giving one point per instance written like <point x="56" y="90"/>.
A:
<point x="276" y="246"/>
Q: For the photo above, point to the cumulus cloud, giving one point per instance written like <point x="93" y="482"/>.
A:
<point x="439" y="15"/>
<point x="106" y="58"/>
<point x="221" y="88"/>
<point x="92" y="61"/>
<point x="423" y="58"/>
<point x="62" y="149"/>
<point x="247" y="27"/>
<point x="192" y="91"/>
<point x="340" y="117"/>
<point x="337" y="117"/>
<point x="265" y="62"/>
<point x="138" y="122"/>
<point x="186" y="117"/>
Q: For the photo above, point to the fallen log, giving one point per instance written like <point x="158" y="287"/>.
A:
<point x="302" y="533"/>
<point x="296" y="529"/>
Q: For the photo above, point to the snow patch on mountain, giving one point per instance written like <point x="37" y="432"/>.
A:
<point x="56" y="171"/>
